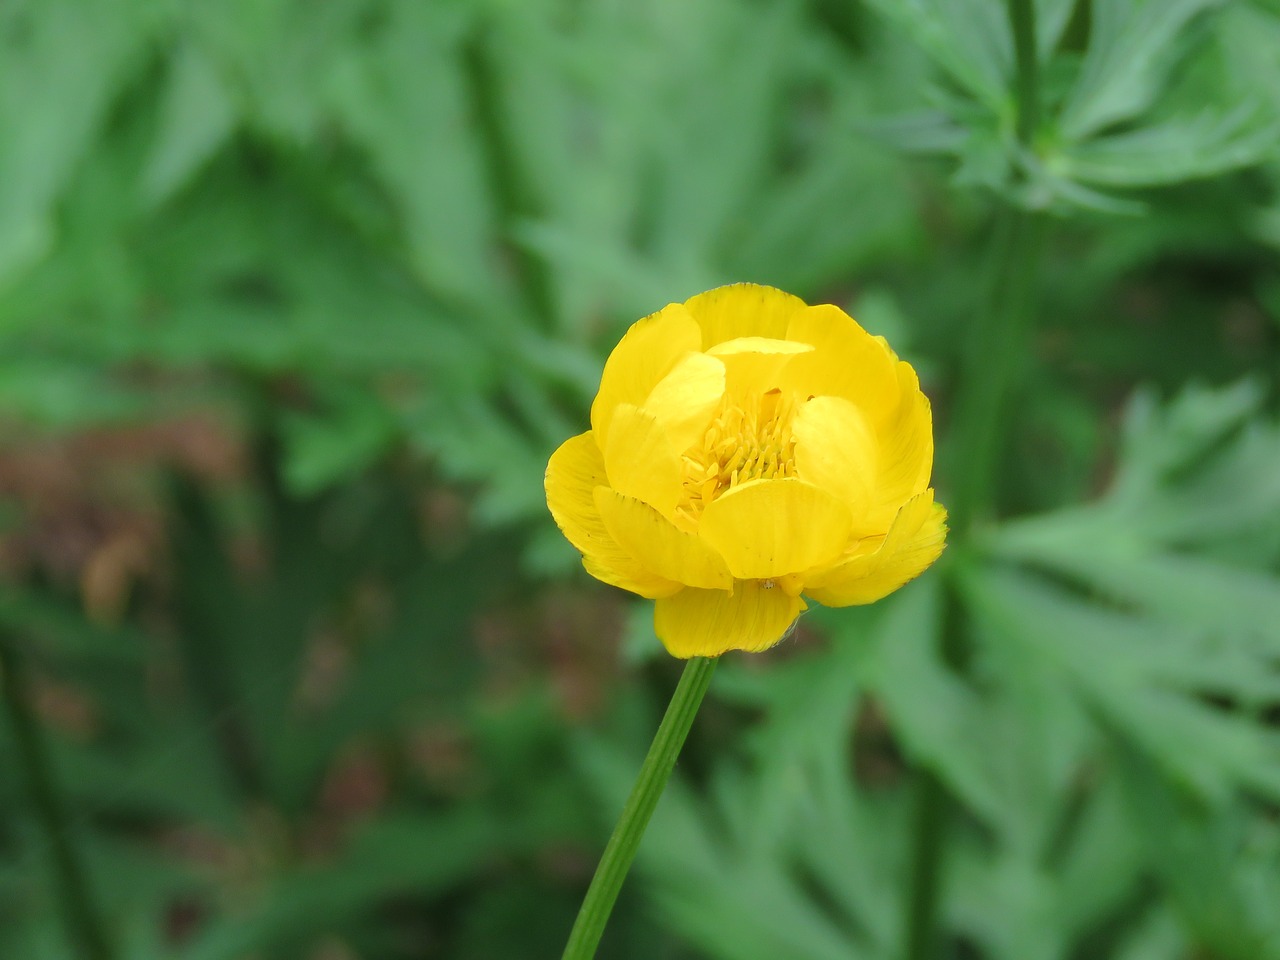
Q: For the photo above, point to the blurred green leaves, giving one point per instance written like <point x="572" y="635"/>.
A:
<point x="382" y="246"/>
<point x="1118" y="118"/>
<point x="462" y="200"/>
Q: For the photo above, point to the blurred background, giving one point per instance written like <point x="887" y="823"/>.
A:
<point x="297" y="298"/>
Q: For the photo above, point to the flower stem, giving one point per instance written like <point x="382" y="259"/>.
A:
<point x="993" y="367"/>
<point x="654" y="773"/>
<point x="996" y="355"/>
<point x="993" y="364"/>
<point x="82" y="918"/>
<point x="1022" y="20"/>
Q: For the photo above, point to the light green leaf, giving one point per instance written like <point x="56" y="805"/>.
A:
<point x="60" y="72"/>
<point x="1206" y="748"/>
<point x="1052" y="17"/>
<point x="1131" y="47"/>
<point x="970" y="40"/>
<point x="1174" y="150"/>
<point x="197" y="116"/>
<point x="936" y="715"/>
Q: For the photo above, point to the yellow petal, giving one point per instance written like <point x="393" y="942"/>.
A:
<point x="914" y="542"/>
<point x="836" y="451"/>
<point x="684" y="400"/>
<point x="769" y="528"/>
<point x="742" y="310"/>
<point x="573" y="473"/>
<point x="760" y="345"/>
<point x="646" y="354"/>
<point x="756" y="363"/>
<point x="707" y="623"/>
<point x="633" y="579"/>
<point x="905" y="442"/>
<point x="661" y="549"/>
<point x="640" y="462"/>
<point x="846" y="362"/>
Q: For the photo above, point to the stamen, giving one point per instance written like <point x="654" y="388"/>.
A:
<point x="748" y="440"/>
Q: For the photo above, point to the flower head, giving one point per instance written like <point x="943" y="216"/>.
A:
<point x="746" y="449"/>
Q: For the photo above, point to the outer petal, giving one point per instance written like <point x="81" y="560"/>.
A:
<point x="742" y="310"/>
<point x="686" y="398"/>
<point x="905" y="447"/>
<point x="640" y="462"/>
<point x="914" y="542"/>
<point x="836" y="451"/>
<point x="639" y="581"/>
<point x="573" y="473"/>
<point x="646" y="354"/>
<point x="707" y="623"/>
<point x="847" y="362"/>
<point x="769" y="528"/>
<point x="662" y="549"/>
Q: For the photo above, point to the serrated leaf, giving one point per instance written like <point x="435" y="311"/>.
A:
<point x="1205" y="748"/>
<point x="1129" y="52"/>
<point x="970" y="40"/>
<point x="1222" y="879"/>
<point x="934" y="713"/>
<point x="1174" y="150"/>
<point x="1199" y="472"/>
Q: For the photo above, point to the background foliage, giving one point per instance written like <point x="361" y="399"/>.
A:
<point x="296" y="299"/>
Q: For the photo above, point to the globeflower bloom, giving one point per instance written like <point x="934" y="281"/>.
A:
<point x="747" y="450"/>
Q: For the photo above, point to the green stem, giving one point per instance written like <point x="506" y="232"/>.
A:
<point x="1022" y="20"/>
<point x="82" y="919"/>
<point x="994" y="358"/>
<point x="654" y="773"/>
<point x="996" y="355"/>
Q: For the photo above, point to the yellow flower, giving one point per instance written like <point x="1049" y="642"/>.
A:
<point x="745" y="449"/>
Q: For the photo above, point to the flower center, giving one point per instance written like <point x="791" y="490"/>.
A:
<point x="749" y="439"/>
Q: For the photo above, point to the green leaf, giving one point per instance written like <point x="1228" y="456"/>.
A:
<point x="1052" y="17"/>
<point x="1174" y="150"/>
<point x="935" y="714"/>
<point x="197" y="116"/>
<point x="1219" y="868"/>
<point x="321" y="449"/>
<point x="1132" y="45"/>
<point x="402" y="97"/>
<point x="969" y="40"/>
<point x="1201" y="472"/>
<point x="1206" y="748"/>
<point x="67" y="60"/>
